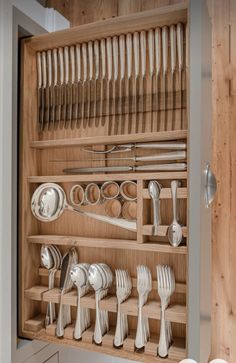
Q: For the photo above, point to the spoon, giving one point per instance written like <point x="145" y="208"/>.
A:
<point x="154" y="189"/>
<point x="175" y="230"/>
<point x="96" y="281"/>
<point x="48" y="263"/>
<point x="79" y="277"/>
<point x="49" y="201"/>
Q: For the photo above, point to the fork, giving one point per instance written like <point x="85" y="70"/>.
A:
<point x="166" y="287"/>
<point x="144" y="286"/>
<point x="123" y="290"/>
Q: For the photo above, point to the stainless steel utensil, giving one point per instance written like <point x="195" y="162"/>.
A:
<point x="84" y="83"/>
<point x="109" y="78"/>
<point x="44" y="90"/>
<point x="175" y="233"/>
<point x="90" y="80"/>
<point x="129" y="76"/>
<point x="164" y="35"/>
<point x="115" y="121"/>
<point x="158" y="167"/>
<point x="154" y="189"/>
<point x="61" y="84"/>
<point x="55" y="87"/>
<point x="103" y="71"/>
<point x="151" y="69"/>
<point x="121" y="78"/>
<point x="136" y="76"/>
<point x="40" y="92"/>
<point x="66" y="88"/>
<point x="180" y="53"/>
<point x="158" y="72"/>
<point x="96" y="72"/>
<point x="173" y="51"/>
<point x="79" y="85"/>
<point x="143" y="75"/>
<point x="71" y="85"/>
<point x="128" y="147"/>
<point x="49" y="202"/>
<point x="176" y="155"/>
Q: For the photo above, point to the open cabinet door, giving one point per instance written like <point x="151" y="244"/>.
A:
<point x="201" y="182"/>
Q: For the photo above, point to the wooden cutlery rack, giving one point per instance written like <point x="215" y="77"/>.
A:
<point x="149" y="109"/>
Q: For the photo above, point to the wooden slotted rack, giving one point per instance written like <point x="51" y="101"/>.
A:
<point x="44" y="155"/>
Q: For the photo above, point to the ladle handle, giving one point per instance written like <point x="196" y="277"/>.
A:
<point x="174" y="186"/>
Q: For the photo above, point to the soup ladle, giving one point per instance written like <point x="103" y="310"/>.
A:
<point x="49" y="202"/>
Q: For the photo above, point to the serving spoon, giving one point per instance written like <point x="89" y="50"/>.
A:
<point x="175" y="233"/>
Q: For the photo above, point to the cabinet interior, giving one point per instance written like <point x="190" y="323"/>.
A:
<point x="44" y="155"/>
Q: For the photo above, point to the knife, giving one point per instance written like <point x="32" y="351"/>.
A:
<point x="176" y="155"/>
<point x="157" y="167"/>
<point x="40" y="104"/>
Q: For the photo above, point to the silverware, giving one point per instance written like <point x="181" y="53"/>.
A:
<point x="143" y="75"/>
<point x="109" y="78"/>
<point x="79" y="85"/>
<point x="176" y="155"/>
<point x="103" y="70"/>
<point x="158" y="72"/>
<point x="136" y="75"/>
<point x="122" y="77"/>
<point x="61" y="84"/>
<point x="175" y="233"/>
<point x="84" y="83"/>
<point x="151" y="70"/>
<point x="173" y="69"/>
<point x="158" y="167"/>
<point x="115" y="122"/>
<point x="154" y="189"/>
<point x="66" y="88"/>
<point x="90" y="80"/>
<point x="164" y="34"/>
<point x="129" y="75"/>
<point x="40" y="92"/>
<point x="128" y="147"/>
<point x="165" y="287"/>
<point x="44" y="88"/>
<point x="50" y="88"/>
<point x="180" y="52"/>
<point x="97" y="71"/>
<point x="64" y="314"/>
<point x="49" y="202"/>
<point x="71" y="84"/>
<point x="55" y="87"/>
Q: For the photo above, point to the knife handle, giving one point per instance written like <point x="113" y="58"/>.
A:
<point x="84" y="56"/>
<point x="78" y="61"/>
<point x="136" y="54"/>
<point x="173" y="48"/>
<point x="158" y="50"/>
<point x="129" y="54"/>
<point x="72" y="64"/>
<point x="151" y="50"/>
<point x="39" y="69"/>
<point x="103" y="57"/>
<point x="109" y="58"/>
<point x="90" y="54"/>
<point x="180" y="45"/>
<point x="96" y="55"/>
<point x="143" y="52"/>
<point x="66" y="60"/>
<point x="61" y="65"/>
<point x="115" y="56"/>
<point x="122" y="55"/>
<point x="54" y="54"/>
<point x="164" y="35"/>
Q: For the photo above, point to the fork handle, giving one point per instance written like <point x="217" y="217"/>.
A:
<point x="139" y="340"/>
<point x="117" y="340"/>
<point x="162" y="346"/>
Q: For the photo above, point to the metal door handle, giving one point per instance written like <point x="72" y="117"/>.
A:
<point x="210" y="186"/>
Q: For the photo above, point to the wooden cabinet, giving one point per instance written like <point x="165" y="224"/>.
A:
<point x="170" y="106"/>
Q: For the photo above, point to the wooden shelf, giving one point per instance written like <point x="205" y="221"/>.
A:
<point x="174" y="313"/>
<point x="180" y="288"/>
<point x="182" y="193"/>
<point x="162" y="230"/>
<point x="177" y="351"/>
<point x="104" y="177"/>
<point x="107" y="243"/>
<point x="111" y="140"/>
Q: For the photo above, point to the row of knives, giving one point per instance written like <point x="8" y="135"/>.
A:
<point x="99" y="81"/>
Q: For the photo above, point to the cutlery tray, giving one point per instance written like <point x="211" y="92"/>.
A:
<point x="45" y="153"/>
